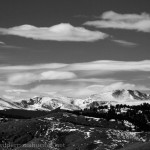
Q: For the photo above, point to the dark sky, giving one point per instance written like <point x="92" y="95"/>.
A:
<point x="124" y="45"/>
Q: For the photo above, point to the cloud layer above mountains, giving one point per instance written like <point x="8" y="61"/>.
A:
<point x="22" y="75"/>
<point x="77" y="79"/>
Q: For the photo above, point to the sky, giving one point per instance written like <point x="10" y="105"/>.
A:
<point x="73" y="48"/>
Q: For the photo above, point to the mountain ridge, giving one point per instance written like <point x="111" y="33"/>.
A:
<point x="47" y="103"/>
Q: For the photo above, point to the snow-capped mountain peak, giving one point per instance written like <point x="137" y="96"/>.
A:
<point x="46" y="103"/>
<point x="130" y="97"/>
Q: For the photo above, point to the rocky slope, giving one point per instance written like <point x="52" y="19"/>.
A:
<point x="67" y="131"/>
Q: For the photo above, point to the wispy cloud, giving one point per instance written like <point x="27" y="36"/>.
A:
<point x="116" y="86"/>
<point x="110" y="66"/>
<point x="71" y="79"/>
<point x="33" y="67"/>
<point x="83" y="90"/>
<point x="70" y="90"/>
<point x="111" y="19"/>
<point x="95" y="80"/>
<point x="4" y="45"/>
<point x="60" y="32"/>
<point x="125" y="43"/>
<point x="76" y="72"/>
<point x="27" y="78"/>
<point x="100" y="65"/>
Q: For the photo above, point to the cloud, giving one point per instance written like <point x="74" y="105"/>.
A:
<point x="16" y="90"/>
<point x="118" y="85"/>
<point x="83" y="69"/>
<point x="81" y="90"/>
<point x="22" y="78"/>
<point x="45" y="88"/>
<point x="4" y="45"/>
<point x="100" y="88"/>
<point x="60" y="32"/>
<point x="122" y="85"/>
<point x="125" y="43"/>
<point x="111" y="19"/>
<point x="76" y="71"/>
<point x="27" y="78"/>
<point x="71" y="79"/>
<point x="110" y="66"/>
<point x="53" y="75"/>
<point x="95" y="80"/>
<point x="97" y="89"/>
<point x="77" y="93"/>
<point x="69" y="90"/>
<point x="33" y="67"/>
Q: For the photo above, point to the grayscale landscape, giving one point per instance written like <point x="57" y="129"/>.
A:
<point x="74" y="75"/>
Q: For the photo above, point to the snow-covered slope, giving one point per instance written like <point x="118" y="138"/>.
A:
<point x="4" y="104"/>
<point x="121" y="96"/>
<point x="46" y="103"/>
<point x="128" y="97"/>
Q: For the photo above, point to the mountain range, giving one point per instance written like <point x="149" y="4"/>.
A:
<point x="129" y="97"/>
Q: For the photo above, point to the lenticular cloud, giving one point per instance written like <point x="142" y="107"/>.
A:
<point x="60" y="32"/>
<point x="110" y="19"/>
